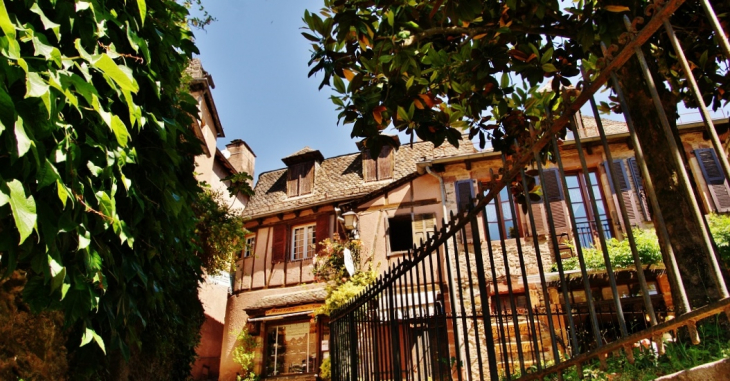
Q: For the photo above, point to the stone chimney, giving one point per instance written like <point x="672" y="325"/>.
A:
<point x="241" y="156"/>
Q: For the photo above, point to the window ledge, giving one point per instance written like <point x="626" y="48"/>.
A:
<point x="397" y="253"/>
<point x="300" y="259"/>
<point x="300" y="196"/>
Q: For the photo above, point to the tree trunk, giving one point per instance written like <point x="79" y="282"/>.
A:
<point x="685" y="233"/>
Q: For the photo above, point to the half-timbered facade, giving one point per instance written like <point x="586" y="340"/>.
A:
<point x="293" y="209"/>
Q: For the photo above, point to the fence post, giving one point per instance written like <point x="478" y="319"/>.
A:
<point x="353" y="346"/>
<point x="484" y="296"/>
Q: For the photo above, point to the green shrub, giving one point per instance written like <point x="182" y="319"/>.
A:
<point x="329" y="267"/>
<point x="619" y="252"/>
<point x="720" y="229"/>
<point x="648" y="246"/>
<point x="325" y="370"/>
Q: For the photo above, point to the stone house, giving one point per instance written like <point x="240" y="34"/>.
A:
<point x="294" y="208"/>
<point x="399" y="198"/>
<point x="504" y="227"/>
<point x="212" y="167"/>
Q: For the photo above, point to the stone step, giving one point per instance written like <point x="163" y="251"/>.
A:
<point x="509" y="328"/>
<point x="514" y="366"/>
<point x="512" y="347"/>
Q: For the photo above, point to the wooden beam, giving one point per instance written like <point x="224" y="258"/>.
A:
<point x="402" y="205"/>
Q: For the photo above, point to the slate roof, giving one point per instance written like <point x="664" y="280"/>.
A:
<point x="302" y="151"/>
<point x="290" y="299"/>
<point x="340" y="178"/>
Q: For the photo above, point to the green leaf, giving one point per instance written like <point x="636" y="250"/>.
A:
<point x="23" y="142"/>
<point x="84" y="240"/>
<point x="310" y="37"/>
<point x="62" y="192"/>
<point x="64" y="290"/>
<point x="504" y="82"/>
<point x="47" y="51"/>
<point x="5" y="24"/>
<point x="120" y="131"/>
<point x="88" y="336"/>
<point x="549" y="68"/>
<point x="47" y="23"/>
<point x="403" y="114"/>
<point x="24" y="209"/>
<point x="391" y="17"/>
<point x="47" y="175"/>
<point x="339" y="84"/>
<point x="547" y="56"/>
<point x="106" y="204"/>
<point x="35" y="85"/>
<point x="100" y="342"/>
<point x="142" y="9"/>
<point x="58" y="273"/>
<point x="108" y="67"/>
<point x="409" y="83"/>
<point x="7" y="110"/>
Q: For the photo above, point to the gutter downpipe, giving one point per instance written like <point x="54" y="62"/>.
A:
<point x="443" y="190"/>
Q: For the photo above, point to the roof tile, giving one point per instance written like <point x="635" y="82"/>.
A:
<point x="341" y="177"/>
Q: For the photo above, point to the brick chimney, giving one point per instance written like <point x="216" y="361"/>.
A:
<point x="241" y="156"/>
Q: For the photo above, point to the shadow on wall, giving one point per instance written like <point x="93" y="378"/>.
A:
<point x="207" y="364"/>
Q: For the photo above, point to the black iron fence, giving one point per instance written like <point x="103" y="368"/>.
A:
<point x="462" y="306"/>
<point x="588" y="230"/>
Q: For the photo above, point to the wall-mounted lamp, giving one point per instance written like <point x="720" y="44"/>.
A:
<point x="350" y="220"/>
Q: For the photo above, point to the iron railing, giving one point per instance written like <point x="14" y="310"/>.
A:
<point x="461" y="307"/>
<point x="588" y="231"/>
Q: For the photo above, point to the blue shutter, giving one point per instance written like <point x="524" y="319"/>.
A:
<point x="715" y="178"/>
<point x="623" y="180"/>
<point x="464" y="193"/>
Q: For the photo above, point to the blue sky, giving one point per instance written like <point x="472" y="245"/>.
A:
<point x="258" y="59"/>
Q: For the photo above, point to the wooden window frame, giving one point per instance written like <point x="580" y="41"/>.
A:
<point x="309" y="248"/>
<point x="516" y="219"/>
<point x="248" y="249"/>
<point x="586" y="200"/>
<point x="427" y="222"/>
<point x="283" y="323"/>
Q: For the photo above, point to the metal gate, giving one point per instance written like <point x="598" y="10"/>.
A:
<point x="452" y="310"/>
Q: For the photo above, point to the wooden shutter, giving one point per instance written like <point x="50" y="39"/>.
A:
<point x="622" y="178"/>
<point x="369" y="167"/>
<point x="553" y="193"/>
<point x="385" y="163"/>
<point x="538" y="213"/>
<point x="715" y="178"/>
<point x="306" y="177"/>
<point x="322" y="231"/>
<point x="643" y="201"/>
<point x="464" y="192"/>
<point x="626" y="193"/>
<point x="422" y="225"/>
<point x="278" y="249"/>
<point x="292" y="183"/>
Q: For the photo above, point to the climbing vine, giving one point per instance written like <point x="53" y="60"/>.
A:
<point x="329" y="267"/>
<point x="96" y="178"/>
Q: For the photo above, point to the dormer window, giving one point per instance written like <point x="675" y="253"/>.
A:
<point x="378" y="168"/>
<point x="301" y="178"/>
<point x="300" y="173"/>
